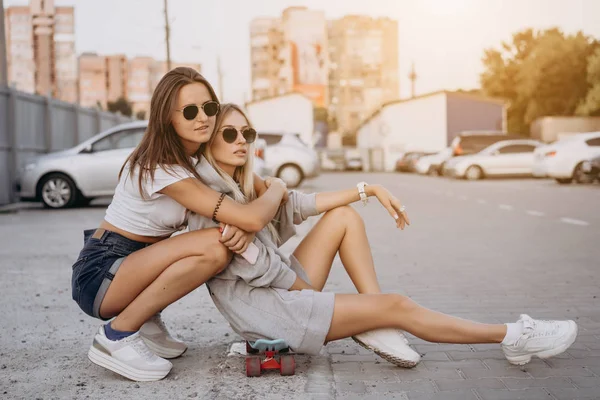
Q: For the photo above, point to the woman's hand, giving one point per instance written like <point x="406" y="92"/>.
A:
<point x="278" y="182"/>
<point x="392" y="204"/>
<point x="236" y="239"/>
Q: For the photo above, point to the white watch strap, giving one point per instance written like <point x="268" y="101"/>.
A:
<point x="361" y="192"/>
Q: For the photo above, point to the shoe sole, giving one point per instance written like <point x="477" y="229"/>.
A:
<point x="522" y="360"/>
<point x="388" y="357"/>
<point x="164" y="352"/>
<point x="104" y="360"/>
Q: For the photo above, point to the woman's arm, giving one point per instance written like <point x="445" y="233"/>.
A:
<point x="329" y="200"/>
<point x="199" y="198"/>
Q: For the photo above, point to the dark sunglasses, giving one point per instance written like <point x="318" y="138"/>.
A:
<point x="231" y="134"/>
<point x="210" y="108"/>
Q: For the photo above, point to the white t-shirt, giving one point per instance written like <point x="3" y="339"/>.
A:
<point x="155" y="214"/>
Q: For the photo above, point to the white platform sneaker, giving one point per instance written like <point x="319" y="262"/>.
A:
<point x="159" y="340"/>
<point x="540" y="338"/>
<point x="129" y="357"/>
<point x="389" y="344"/>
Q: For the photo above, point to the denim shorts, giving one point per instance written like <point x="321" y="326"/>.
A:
<point x="98" y="262"/>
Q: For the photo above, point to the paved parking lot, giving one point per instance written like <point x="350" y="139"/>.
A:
<point x="486" y="250"/>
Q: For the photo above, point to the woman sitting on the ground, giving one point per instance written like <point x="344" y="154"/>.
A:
<point x="280" y="298"/>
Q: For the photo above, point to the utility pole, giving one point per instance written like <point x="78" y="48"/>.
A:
<point x="3" y="62"/>
<point x="220" y="74"/>
<point x="167" y="35"/>
<point x="413" y="79"/>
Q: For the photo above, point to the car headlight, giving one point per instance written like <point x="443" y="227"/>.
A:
<point x="29" y="167"/>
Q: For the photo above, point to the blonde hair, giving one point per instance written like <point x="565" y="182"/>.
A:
<point x="242" y="182"/>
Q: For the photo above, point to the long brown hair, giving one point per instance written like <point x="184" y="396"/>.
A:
<point x="161" y="145"/>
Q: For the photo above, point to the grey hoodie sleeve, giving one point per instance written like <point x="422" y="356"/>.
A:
<point x="296" y="210"/>
<point x="269" y="271"/>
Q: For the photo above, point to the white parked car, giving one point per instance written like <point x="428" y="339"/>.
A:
<point x="77" y="175"/>
<point x="563" y="160"/>
<point x="260" y="166"/>
<point x="504" y="158"/>
<point x="432" y="164"/>
<point x="289" y="158"/>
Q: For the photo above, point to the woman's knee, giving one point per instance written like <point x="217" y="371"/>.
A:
<point x="347" y="214"/>
<point x="399" y="303"/>
<point x="213" y="253"/>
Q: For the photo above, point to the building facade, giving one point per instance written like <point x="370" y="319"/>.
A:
<point x="363" y="73"/>
<point x="348" y="66"/>
<point x="289" y="54"/>
<point x="105" y="79"/>
<point x="41" y="49"/>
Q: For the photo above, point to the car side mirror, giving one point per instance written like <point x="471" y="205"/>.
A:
<point x="496" y="153"/>
<point x="87" y="149"/>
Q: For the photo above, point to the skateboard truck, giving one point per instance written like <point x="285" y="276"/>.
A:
<point x="255" y="364"/>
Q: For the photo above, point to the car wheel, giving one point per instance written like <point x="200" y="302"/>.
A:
<point x="579" y="176"/>
<point x="474" y="173"/>
<point x="58" y="191"/>
<point x="291" y="175"/>
<point x="563" y="181"/>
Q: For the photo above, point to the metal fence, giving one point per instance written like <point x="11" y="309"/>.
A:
<point x="32" y="125"/>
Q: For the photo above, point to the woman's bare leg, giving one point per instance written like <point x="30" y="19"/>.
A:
<point x="341" y="229"/>
<point x="357" y="313"/>
<point x="152" y="278"/>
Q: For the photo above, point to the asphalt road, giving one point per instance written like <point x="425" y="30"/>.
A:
<point x="487" y="250"/>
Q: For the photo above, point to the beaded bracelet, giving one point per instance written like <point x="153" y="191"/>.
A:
<point x="214" y="217"/>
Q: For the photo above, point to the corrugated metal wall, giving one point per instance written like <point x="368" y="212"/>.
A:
<point x="32" y="125"/>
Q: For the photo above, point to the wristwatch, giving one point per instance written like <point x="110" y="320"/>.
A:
<point x="361" y="192"/>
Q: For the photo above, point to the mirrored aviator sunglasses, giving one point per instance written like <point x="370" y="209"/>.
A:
<point x="210" y="108"/>
<point x="231" y="134"/>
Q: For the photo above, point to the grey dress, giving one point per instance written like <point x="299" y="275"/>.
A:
<point x="254" y="298"/>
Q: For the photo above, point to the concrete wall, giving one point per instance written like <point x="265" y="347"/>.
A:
<point x="411" y="125"/>
<point x="549" y="129"/>
<point x="469" y="113"/>
<point x="32" y="125"/>
<point x="287" y="113"/>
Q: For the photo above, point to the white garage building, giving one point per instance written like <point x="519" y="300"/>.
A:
<point x="291" y="113"/>
<point x="424" y="123"/>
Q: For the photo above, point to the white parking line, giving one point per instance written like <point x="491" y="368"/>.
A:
<point x="535" y="213"/>
<point x="505" y="207"/>
<point x="574" y="221"/>
<point x="481" y="201"/>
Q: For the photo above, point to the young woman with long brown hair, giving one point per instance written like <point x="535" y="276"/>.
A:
<point x="130" y="267"/>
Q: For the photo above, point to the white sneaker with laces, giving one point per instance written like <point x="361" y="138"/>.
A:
<point x="159" y="340"/>
<point x="389" y="344"/>
<point x="129" y="357"/>
<point x="543" y="339"/>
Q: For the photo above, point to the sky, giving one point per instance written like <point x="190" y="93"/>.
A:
<point x="444" y="38"/>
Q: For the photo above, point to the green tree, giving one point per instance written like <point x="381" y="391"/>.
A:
<point x="590" y="106"/>
<point x="121" y="105"/>
<point x="539" y="74"/>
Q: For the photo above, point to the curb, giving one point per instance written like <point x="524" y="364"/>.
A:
<point x="16" y="207"/>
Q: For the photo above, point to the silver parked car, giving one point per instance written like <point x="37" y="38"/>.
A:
<point x="290" y="159"/>
<point x="508" y="157"/>
<point x="78" y="175"/>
